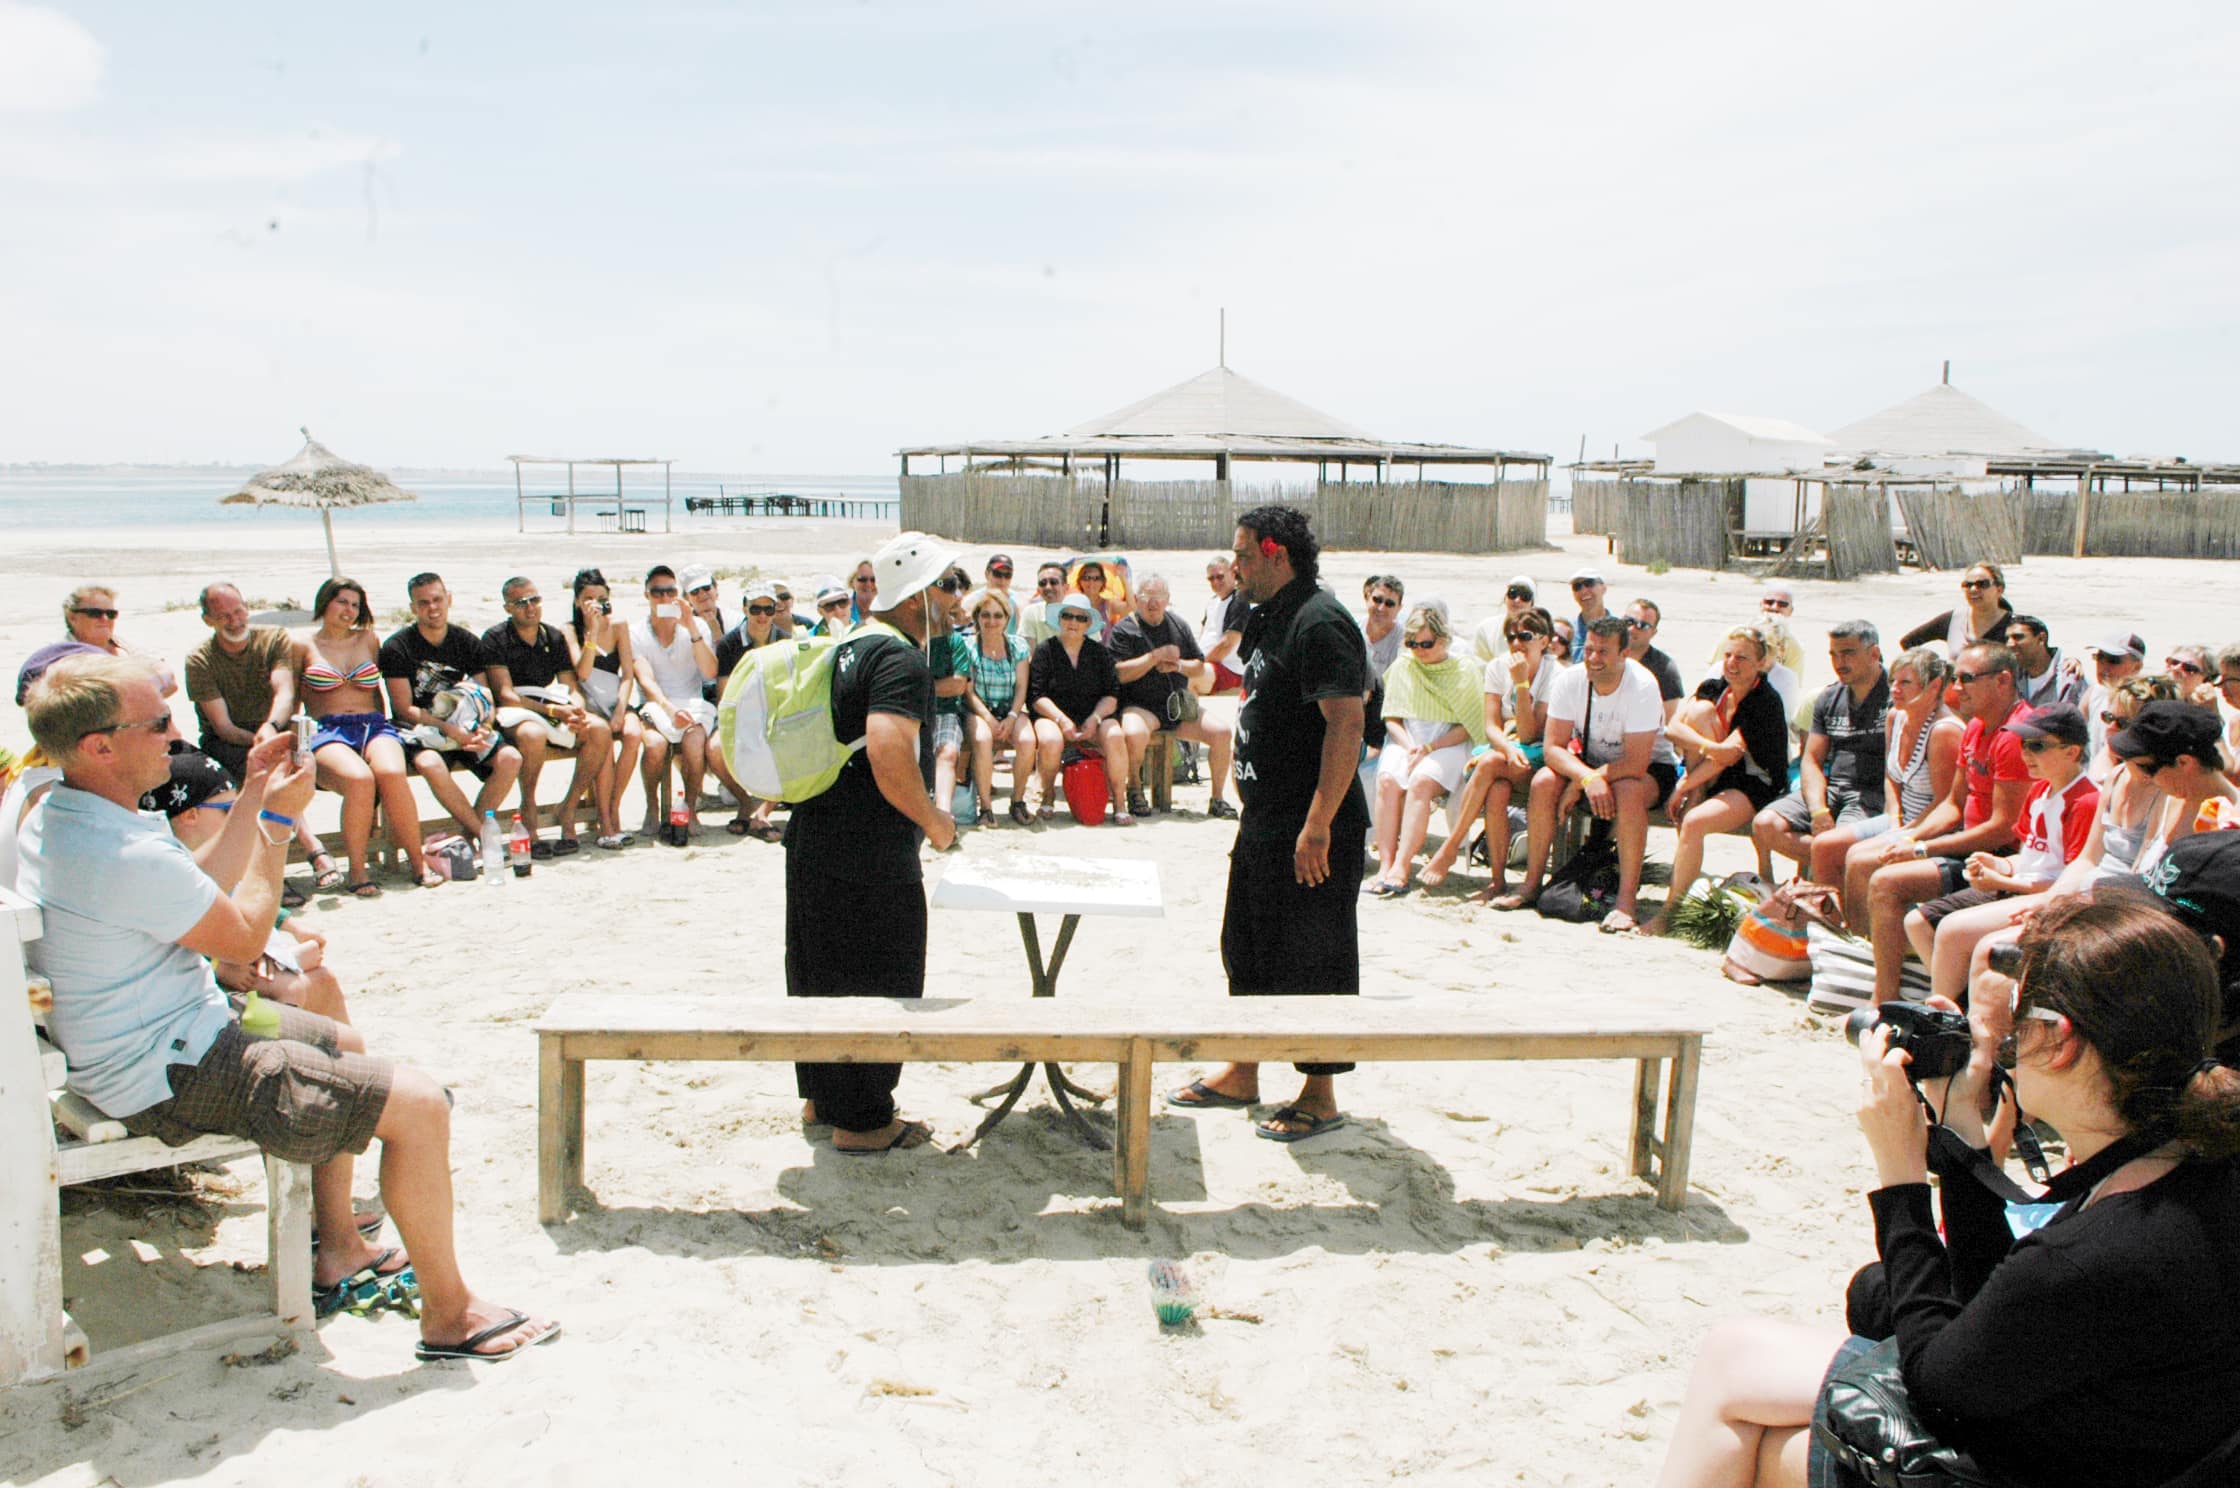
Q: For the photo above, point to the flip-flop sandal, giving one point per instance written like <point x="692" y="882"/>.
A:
<point x="430" y="879"/>
<point x="1379" y="889"/>
<point x="913" y="1134"/>
<point x="470" y="1347"/>
<point x="565" y="846"/>
<point x="369" y="1288"/>
<point x="1617" y="922"/>
<point x="1021" y="814"/>
<point x="1199" y="1096"/>
<point x="364" y="888"/>
<point x="614" y="842"/>
<point x="1124" y="819"/>
<point x="541" y="851"/>
<point x="1315" y="1125"/>
<point x="329" y="877"/>
<point x="738" y="826"/>
<point x="766" y="831"/>
<point x="1045" y="811"/>
<point x="291" y="897"/>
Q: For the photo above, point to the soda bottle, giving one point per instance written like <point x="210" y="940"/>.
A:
<point x="493" y="850"/>
<point x="517" y="848"/>
<point x="680" y="825"/>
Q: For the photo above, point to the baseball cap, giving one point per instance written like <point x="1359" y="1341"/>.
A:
<point x="2165" y="729"/>
<point x="1524" y="582"/>
<point x="1588" y="574"/>
<point x="830" y="587"/>
<point x="2198" y="879"/>
<point x="35" y="666"/>
<point x="2059" y="721"/>
<point x="1002" y="561"/>
<point x="695" y="578"/>
<point x="2120" y="643"/>
<point x="757" y="589"/>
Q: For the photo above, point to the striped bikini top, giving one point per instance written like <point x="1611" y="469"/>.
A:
<point x="319" y="677"/>
<point x="1915" y="796"/>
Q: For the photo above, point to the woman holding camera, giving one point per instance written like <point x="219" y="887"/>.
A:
<point x="2103" y="1346"/>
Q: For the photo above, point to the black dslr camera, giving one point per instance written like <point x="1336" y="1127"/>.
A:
<point x="1939" y="1042"/>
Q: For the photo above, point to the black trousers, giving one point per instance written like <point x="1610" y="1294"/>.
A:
<point x="1280" y="938"/>
<point x="849" y="939"/>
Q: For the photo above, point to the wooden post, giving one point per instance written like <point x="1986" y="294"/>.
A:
<point x="1132" y="1153"/>
<point x="30" y="1219"/>
<point x="2084" y="513"/>
<point x="520" y="502"/>
<point x="571" y="498"/>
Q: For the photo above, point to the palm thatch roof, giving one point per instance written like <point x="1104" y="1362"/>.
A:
<point x="1942" y="421"/>
<point x="317" y="477"/>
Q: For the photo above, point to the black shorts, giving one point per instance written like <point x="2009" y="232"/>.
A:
<point x="482" y="769"/>
<point x="1759" y="793"/>
<point x="1280" y="938"/>
<point x="1664" y="778"/>
<point x="1934" y="910"/>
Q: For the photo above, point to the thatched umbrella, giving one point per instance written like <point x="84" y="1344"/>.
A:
<point x="318" y="477"/>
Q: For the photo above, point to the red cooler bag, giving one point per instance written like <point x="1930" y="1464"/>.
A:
<point x="1086" y="794"/>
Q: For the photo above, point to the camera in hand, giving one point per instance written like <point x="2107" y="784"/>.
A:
<point x="1938" y="1041"/>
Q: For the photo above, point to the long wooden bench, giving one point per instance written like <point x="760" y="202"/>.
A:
<point x="51" y="1139"/>
<point x="585" y="1026"/>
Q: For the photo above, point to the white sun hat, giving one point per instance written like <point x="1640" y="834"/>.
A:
<point x="909" y="563"/>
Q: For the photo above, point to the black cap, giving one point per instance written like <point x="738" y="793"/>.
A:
<point x="1004" y="559"/>
<point x="2164" y="729"/>
<point x="2060" y="722"/>
<point x="2199" y="880"/>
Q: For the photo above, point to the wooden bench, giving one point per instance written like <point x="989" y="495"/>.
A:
<point x="584" y="1026"/>
<point x="50" y="1139"/>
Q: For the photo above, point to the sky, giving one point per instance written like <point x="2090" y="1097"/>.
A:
<point x="793" y="237"/>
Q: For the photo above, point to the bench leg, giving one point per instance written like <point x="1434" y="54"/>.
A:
<point x="1679" y="1126"/>
<point x="288" y="1240"/>
<point x="1642" y="1153"/>
<point x="559" y="1129"/>
<point x="1131" y="1159"/>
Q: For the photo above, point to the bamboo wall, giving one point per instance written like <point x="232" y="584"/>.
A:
<point x="1952" y="529"/>
<point x="1055" y="512"/>
<point x="2135" y="524"/>
<point x="1857" y="520"/>
<point x="1593" y="498"/>
<point x="1682" y="523"/>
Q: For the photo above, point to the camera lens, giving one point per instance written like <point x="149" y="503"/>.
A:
<point x="2006" y="958"/>
<point x="1855" y="1027"/>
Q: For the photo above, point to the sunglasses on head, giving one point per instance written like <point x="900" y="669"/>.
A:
<point x="762" y="609"/>
<point x="92" y="612"/>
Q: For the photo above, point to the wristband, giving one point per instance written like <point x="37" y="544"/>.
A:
<point x="277" y="819"/>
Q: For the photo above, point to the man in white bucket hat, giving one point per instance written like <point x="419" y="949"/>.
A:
<point x="852" y="852"/>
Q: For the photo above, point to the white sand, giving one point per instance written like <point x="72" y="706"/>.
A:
<point x="1464" y="1284"/>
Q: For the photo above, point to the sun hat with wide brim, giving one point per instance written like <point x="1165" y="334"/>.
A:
<point x="909" y="563"/>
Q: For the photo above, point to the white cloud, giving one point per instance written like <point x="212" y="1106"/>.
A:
<point x="48" y="62"/>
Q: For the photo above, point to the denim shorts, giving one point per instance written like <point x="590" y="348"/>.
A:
<point x="354" y="731"/>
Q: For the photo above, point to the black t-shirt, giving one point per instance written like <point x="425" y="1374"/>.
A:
<point x="1670" y="684"/>
<point x="528" y="663"/>
<point x="1300" y="648"/>
<point x="1132" y="638"/>
<point x="1857" y="744"/>
<point x="851" y="831"/>
<point x="1074" y="686"/>
<point x="1765" y="736"/>
<point x="431" y="669"/>
<point x="734" y="644"/>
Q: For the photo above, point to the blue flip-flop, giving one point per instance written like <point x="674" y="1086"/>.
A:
<point x="1316" y="1125"/>
<point x="1199" y="1096"/>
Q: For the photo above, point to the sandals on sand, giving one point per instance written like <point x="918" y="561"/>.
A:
<point x="470" y="1347"/>
<point x="614" y="841"/>
<point x="369" y="1289"/>
<point x="1278" y="1126"/>
<point x="432" y="879"/>
<point x="1199" y="1096"/>
<point x="565" y="846"/>
<point x="913" y="1134"/>
<point x="364" y="888"/>
<point x="1021" y="813"/>
<point x="329" y="877"/>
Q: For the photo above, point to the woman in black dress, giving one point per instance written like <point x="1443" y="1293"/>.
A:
<point x="1073" y="691"/>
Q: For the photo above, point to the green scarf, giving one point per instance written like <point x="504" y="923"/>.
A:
<point x="1450" y="691"/>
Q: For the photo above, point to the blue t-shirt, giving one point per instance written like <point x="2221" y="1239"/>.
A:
<point x="115" y="891"/>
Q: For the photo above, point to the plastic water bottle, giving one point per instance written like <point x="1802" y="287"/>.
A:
<point x="493" y="850"/>
<point x="517" y="848"/>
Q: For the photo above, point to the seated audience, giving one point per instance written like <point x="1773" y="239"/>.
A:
<point x="150" y="1038"/>
<point x="1645" y="619"/>
<point x="1517" y="688"/>
<point x="1980" y="616"/>
<point x="1605" y="748"/>
<point x="1073" y="689"/>
<point x="674" y="656"/>
<point x="531" y="669"/>
<point x="2048" y="677"/>
<point x="2057" y="817"/>
<point x="2103" y="1346"/>
<point x="1920" y="755"/>
<point x="996" y="574"/>
<point x="1159" y="665"/>
<point x="2115" y="656"/>
<point x="1433" y="712"/>
<point x="1222" y="629"/>
<point x="601" y="659"/>
<point x="1089" y="581"/>
<point x="762" y="612"/>
<point x="1841" y="767"/>
<point x="419" y="664"/>
<point x="242" y="682"/>
<point x="1489" y="642"/>
<point x="1981" y="813"/>
<point x="1038" y="616"/>
<point x="1734" y="739"/>
<point x="1381" y="598"/>
<point x="951" y="683"/>
<point x="358" y="751"/>
<point x="1588" y="588"/>
<point x="995" y="662"/>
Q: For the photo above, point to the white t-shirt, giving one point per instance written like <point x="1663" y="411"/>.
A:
<point x="1217" y="622"/>
<point x="672" y="665"/>
<point x="1491" y="640"/>
<point x="2044" y="850"/>
<point x="115" y="891"/>
<point x="1636" y="708"/>
<point x="1543" y="681"/>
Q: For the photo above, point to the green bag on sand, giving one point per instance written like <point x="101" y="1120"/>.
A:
<point x="775" y="725"/>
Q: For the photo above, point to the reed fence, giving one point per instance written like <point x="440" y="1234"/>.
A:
<point x="1593" y="499"/>
<point x="1060" y="512"/>
<point x="1682" y="523"/>
<point x="2135" y="524"/>
<point x="1857" y="519"/>
<point x="1952" y="529"/>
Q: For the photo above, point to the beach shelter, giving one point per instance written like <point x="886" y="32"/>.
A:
<point x="318" y="477"/>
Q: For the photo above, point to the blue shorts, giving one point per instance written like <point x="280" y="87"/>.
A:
<point x="354" y="731"/>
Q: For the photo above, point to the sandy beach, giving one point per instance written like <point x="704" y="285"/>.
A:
<point x="1465" y="1284"/>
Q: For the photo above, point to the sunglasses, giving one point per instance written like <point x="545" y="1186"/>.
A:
<point x="1421" y="645"/>
<point x="1049" y="581"/>
<point x="1967" y="677"/>
<point x="2107" y="717"/>
<point x="1074" y="617"/>
<point x="2172" y="665"/>
<point x="1001" y="573"/>
<point x="1975" y="583"/>
<point x="1520" y="594"/>
<point x="156" y="725"/>
<point x="701" y="589"/>
<point x="954" y="584"/>
<point x="92" y="613"/>
<point x="2038" y="746"/>
<point x="1384" y="604"/>
<point x="762" y="609"/>
<point x="1775" y="604"/>
<point x="662" y="591"/>
<point x="991" y="615"/>
<point x="1579" y="584"/>
<point x="831" y="605"/>
<point x="867" y="581"/>
<point x="527" y="600"/>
